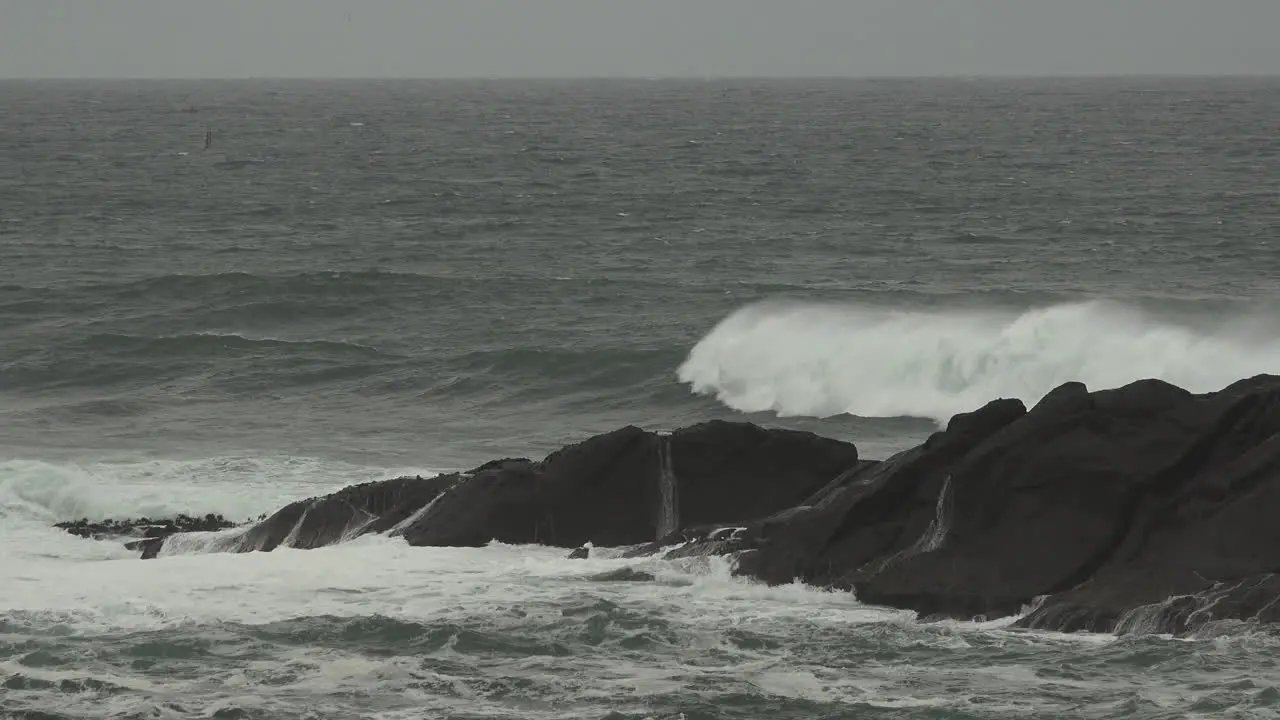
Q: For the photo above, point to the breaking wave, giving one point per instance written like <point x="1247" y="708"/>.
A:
<point x="807" y="359"/>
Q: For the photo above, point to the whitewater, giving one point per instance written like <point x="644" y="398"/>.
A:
<point x="812" y="359"/>
<point x="376" y="628"/>
<point x="362" y="280"/>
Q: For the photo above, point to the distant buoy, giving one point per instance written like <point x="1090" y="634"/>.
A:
<point x="208" y="139"/>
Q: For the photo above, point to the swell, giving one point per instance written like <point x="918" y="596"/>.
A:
<point x="227" y="361"/>
<point x="373" y="281"/>
<point x="204" y="344"/>
<point x="291" y="295"/>
<point x="810" y="359"/>
<point x="118" y="359"/>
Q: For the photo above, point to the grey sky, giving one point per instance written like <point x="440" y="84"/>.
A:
<point x="562" y="38"/>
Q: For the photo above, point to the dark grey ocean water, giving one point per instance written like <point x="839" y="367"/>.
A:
<point x="362" y="278"/>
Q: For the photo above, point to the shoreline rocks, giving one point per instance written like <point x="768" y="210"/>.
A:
<point x="150" y="533"/>
<point x="1144" y="508"/>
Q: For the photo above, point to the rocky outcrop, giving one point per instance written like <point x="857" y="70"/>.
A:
<point x="373" y="507"/>
<point x="608" y="490"/>
<point x="149" y="533"/>
<point x="873" y="512"/>
<point x="621" y="488"/>
<point x="1204" y="528"/>
<point x="1144" y="508"/>
<point x="1095" y="508"/>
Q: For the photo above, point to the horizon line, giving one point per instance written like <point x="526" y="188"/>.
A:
<point x="645" y="78"/>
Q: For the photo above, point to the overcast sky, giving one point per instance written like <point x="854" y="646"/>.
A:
<point x="645" y="38"/>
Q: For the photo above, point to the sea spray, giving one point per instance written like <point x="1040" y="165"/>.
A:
<point x="821" y="360"/>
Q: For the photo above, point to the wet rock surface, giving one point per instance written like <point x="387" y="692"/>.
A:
<point x="144" y="527"/>
<point x="1144" y="508"/>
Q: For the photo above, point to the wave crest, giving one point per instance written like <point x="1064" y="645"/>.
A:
<point x="807" y="359"/>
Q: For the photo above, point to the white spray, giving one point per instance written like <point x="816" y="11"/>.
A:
<point x="822" y="360"/>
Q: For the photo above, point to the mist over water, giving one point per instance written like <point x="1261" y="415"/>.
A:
<point x="359" y="280"/>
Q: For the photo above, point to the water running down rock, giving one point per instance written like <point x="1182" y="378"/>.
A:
<point x="1144" y="508"/>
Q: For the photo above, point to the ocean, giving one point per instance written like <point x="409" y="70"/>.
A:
<point x="362" y="279"/>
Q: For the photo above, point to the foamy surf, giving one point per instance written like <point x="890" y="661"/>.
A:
<point x="393" y="630"/>
<point x="35" y="493"/>
<point x="378" y="628"/>
<point x="68" y="489"/>
<point x="821" y="360"/>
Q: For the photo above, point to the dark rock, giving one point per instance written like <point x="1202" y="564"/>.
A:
<point x="607" y="490"/>
<point x="616" y="489"/>
<point x="533" y="502"/>
<point x="499" y="464"/>
<point x="1042" y="506"/>
<point x="1254" y="599"/>
<point x="1100" y="605"/>
<point x="581" y="553"/>
<point x="1096" y="507"/>
<point x="144" y="527"/>
<point x="623" y="574"/>
<point x="373" y="507"/>
<point x="1067" y="398"/>
<point x="1209" y="519"/>
<point x="1139" y="509"/>
<point x="871" y="512"/>
<point x="152" y="532"/>
<point x="738" y="471"/>
<point x="1106" y="503"/>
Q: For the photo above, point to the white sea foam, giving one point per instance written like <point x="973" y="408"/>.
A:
<point x="36" y="493"/>
<point x="43" y="570"/>
<point x="827" y="359"/>
<point x="99" y="593"/>
<point x="237" y="487"/>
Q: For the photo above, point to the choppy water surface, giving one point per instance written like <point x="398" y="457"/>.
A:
<point x="380" y="629"/>
<point x="363" y="279"/>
